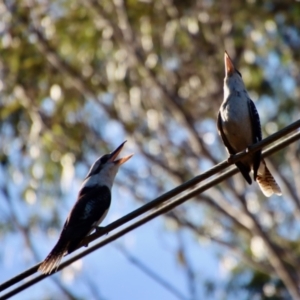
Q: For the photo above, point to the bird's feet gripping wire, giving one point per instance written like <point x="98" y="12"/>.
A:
<point x="98" y="229"/>
<point x="230" y="158"/>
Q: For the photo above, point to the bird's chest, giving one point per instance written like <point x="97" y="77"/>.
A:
<point x="236" y="123"/>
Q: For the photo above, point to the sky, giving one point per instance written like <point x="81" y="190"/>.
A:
<point x="155" y="244"/>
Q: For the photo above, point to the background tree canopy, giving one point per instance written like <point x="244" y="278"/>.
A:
<point x="79" y="77"/>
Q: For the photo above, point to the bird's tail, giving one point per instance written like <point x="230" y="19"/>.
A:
<point x="266" y="181"/>
<point x="53" y="259"/>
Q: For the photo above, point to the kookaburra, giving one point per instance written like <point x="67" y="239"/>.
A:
<point x="90" y="209"/>
<point x="239" y="128"/>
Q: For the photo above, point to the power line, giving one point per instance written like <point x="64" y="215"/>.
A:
<point x="163" y="209"/>
<point x="159" y="201"/>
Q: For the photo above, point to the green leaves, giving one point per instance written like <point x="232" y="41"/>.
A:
<point x="75" y="78"/>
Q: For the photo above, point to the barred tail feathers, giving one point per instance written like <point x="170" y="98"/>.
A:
<point x="53" y="259"/>
<point x="266" y="181"/>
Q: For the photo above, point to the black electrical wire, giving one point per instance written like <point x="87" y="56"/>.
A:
<point x="159" y="201"/>
<point x="161" y="210"/>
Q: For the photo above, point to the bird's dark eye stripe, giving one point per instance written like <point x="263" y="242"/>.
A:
<point x="238" y="72"/>
<point x="104" y="158"/>
<point x="96" y="171"/>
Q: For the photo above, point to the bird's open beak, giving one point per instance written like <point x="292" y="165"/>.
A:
<point x="116" y="152"/>
<point x="229" y="67"/>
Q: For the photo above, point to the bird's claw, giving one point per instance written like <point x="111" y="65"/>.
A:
<point x="99" y="229"/>
<point x="230" y="159"/>
<point x="248" y="149"/>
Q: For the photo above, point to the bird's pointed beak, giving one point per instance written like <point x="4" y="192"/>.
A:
<point x="229" y="67"/>
<point x="116" y="152"/>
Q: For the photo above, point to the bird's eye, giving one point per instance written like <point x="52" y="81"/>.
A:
<point x="238" y="72"/>
<point x="104" y="158"/>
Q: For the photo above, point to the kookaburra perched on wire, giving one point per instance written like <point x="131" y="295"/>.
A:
<point x="239" y="128"/>
<point x="89" y="210"/>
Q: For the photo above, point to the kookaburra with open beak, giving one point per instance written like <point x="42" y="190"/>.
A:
<point x="239" y="128"/>
<point x="90" y="209"/>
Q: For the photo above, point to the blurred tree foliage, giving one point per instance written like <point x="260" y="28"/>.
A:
<point x="77" y="77"/>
